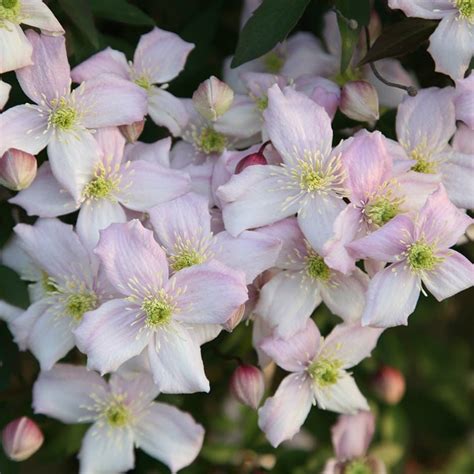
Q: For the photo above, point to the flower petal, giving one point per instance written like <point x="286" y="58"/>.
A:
<point x="15" y="49"/>
<point x="106" y="61"/>
<point x="36" y="13"/>
<point x="432" y="9"/>
<point x="458" y="177"/>
<point x="157" y="152"/>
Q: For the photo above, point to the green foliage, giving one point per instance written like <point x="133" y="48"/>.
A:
<point x="121" y="11"/>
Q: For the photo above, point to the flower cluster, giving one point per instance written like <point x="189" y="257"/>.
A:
<point x="248" y="212"/>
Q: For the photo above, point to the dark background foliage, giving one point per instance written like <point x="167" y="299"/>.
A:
<point x="429" y="431"/>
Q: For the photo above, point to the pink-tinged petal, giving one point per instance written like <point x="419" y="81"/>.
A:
<point x="45" y="197"/>
<point x="261" y="330"/>
<point x="112" y="145"/>
<point x="36" y="13"/>
<point x="431" y="9"/>
<point x="257" y="83"/>
<point x="317" y="219"/>
<point x="185" y="219"/>
<point x="296" y="352"/>
<point x="203" y="333"/>
<point x="96" y="215"/>
<point x="175" y="361"/>
<point x="426" y="121"/>
<point x="4" y="93"/>
<point x="350" y="343"/>
<point x="132" y="259"/>
<point x="106" y="61"/>
<point x="414" y="188"/>
<point x="441" y="221"/>
<point x="296" y="125"/>
<point x="351" y="435"/>
<point x="64" y="392"/>
<point x="458" y="179"/>
<point x="387" y="243"/>
<point x="169" y="435"/>
<point x="464" y="101"/>
<point x="242" y="120"/>
<point x="207" y="293"/>
<point x="23" y="128"/>
<point x="453" y="30"/>
<point x="368" y="164"/>
<point x="344" y="295"/>
<point x="282" y="415"/>
<point x="453" y="275"/>
<point x="157" y="152"/>
<point x="251" y="252"/>
<point x="287" y="301"/>
<point x="109" y="100"/>
<point x="106" y="449"/>
<point x="341" y="397"/>
<point x="323" y="91"/>
<point x="8" y="312"/>
<point x="51" y="338"/>
<point x="111" y="335"/>
<point x="15" y="49"/>
<point x="463" y="140"/>
<point x="55" y="248"/>
<point x="254" y="198"/>
<point x="160" y="55"/>
<point x="50" y="75"/>
<point x="21" y="326"/>
<point x="73" y="159"/>
<point x="137" y="389"/>
<point x="392" y="297"/>
<point x="13" y="256"/>
<point x="145" y="185"/>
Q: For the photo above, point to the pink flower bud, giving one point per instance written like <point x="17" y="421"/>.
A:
<point x="389" y="384"/>
<point x="247" y="385"/>
<point x="252" y="159"/>
<point x="213" y="98"/>
<point x="133" y="131"/>
<point x="17" y="169"/>
<point x="21" y="438"/>
<point x="359" y="101"/>
<point x="235" y="319"/>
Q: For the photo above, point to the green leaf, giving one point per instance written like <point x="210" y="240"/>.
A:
<point x="121" y="11"/>
<point x="349" y="39"/>
<point x="79" y="12"/>
<point x="399" y="39"/>
<point x="267" y="26"/>
<point x="358" y="10"/>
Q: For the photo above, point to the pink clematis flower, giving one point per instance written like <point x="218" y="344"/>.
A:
<point x="309" y="182"/>
<point x="167" y="316"/>
<point x="110" y="186"/>
<point x="451" y="44"/>
<point x="418" y="252"/>
<point x="318" y="376"/>
<point x="15" y="49"/>
<point x="464" y="100"/>
<point x="183" y="228"/>
<point x="289" y="298"/>
<point x="70" y="285"/>
<point x="63" y="119"/>
<point x="123" y="415"/>
<point x="160" y="56"/>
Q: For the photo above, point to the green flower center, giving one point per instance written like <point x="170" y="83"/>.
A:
<point x="325" y="372"/>
<point x="316" y="268"/>
<point x="466" y="9"/>
<point x="143" y="82"/>
<point x="346" y="76"/>
<point x="421" y="256"/>
<point x="186" y="258"/>
<point x="210" y="141"/>
<point x="48" y="284"/>
<point x="381" y="210"/>
<point x="64" y="116"/>
<point x="79" y="303"/>
<point x="423" y="164"/>
<point x="10" y="11"/>
<point x="273" y="62"/>
<point x="158" y="311"/>
<point x="117" y="414"/>
<point x="311" y="179"/>
<point x="358" y="466"/>
<point x="262" y="103"/>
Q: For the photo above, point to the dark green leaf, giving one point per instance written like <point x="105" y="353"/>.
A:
<point x="358" y="10"/>
<point x="121" y="11"/>
<point x="79" y="12"/>
<point x="400" y="39"/>
<point x="267" y="26"/>
<point x="349" y="40"/>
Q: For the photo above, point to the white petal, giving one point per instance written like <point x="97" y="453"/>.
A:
<point x="15" y="49"/>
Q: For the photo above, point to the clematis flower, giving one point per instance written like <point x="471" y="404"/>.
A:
<point x="15" y="48"/>
<point x="4" y="93"/>
<point x="63" y="119"/>
<point x="111" y="185"/>
<point x="309" y="182"/>
<point x="318" y="376"/>
<point x="418" y="252"/>
<point x="183" y="228"/>
<point x="71" y="285"/>
<point x="166" y="316"/>
<point x="451" y="44"/>
<point x="123" y="416"/>
<point x="160" y="56"/>
<point x="288" y="299"/>
<point x="424" y="125"/>
<point x="464" y="100"/>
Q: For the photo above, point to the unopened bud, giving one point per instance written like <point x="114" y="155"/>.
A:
<point x="235" y="319"/>
<point x="213" y="98"/>
<point x="17" y="169"/>
<point x="133" y="131"/>
<point x="359" y="101"/>
<point x="389" y="384"/>
<point x="253" y="159"/>
<point x="247" y="385"/>
<point x="21" y="438"/>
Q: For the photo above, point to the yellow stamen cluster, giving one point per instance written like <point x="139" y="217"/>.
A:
<point x="9" y="11"/>
<point x="210" y="141"/>
<point x="325" y="372"/>
<point x="63" y="116"/>
<point x="79" y="303"/>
